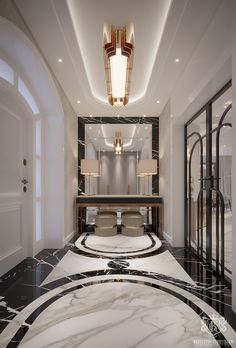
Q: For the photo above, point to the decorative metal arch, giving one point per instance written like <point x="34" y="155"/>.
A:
<point x="199" y="140"/>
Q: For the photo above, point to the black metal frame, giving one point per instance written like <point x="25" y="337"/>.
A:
<point x="209" y="184"/>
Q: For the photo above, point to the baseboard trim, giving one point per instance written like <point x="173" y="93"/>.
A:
<point x="11" y="259"/>
<point x="68" y="238"/>
<point x="168" y="238"/>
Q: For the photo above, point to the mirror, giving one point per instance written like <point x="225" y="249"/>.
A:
<point x="118" y="147"/>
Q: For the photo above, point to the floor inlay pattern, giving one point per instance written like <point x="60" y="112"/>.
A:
<point x="70" y="298"/>
<point x="118" y="245"/>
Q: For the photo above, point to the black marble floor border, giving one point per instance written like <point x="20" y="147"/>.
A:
<point x="22" y="285"/>
<point x="153" y="243"/>
<point x="218" y="336"/>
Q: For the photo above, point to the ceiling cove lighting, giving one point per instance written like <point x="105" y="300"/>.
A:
<point x="118" y="61"/>
<point x="118" y="144"/>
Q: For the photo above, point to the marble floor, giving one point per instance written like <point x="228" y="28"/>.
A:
<point x="115" y="292"/>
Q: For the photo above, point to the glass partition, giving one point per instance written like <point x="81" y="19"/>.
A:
<point x="208" y="196"/>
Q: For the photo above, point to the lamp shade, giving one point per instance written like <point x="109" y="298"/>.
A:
<point x="147" y="167"/>
<point x="89" y="167"/>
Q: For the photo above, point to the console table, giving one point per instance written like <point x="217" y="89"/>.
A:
<point x="153" y="201"/>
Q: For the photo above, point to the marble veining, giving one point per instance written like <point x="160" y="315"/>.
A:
<point x="107" y="315"/>
<point x="195" y="302"/>
<point x="56" y="275"/>
<point x="118" y="245"/>
<point x="154" y="121"/>
<point x="164" y="264"/>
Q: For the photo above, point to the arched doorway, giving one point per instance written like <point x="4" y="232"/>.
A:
<point x="32" y="83"/>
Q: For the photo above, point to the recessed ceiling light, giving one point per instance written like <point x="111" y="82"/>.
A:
<point x="78" y="101"/>
<point x="176" y="60"/>
<point x="158" y="101"/>
<point x="59" y="60"/>
<point x="225" y="106"/>
<point x="144" y="115"/>
<point x="90" y="115"/>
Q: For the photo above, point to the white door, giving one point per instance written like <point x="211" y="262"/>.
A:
<point x="16" y="208"/>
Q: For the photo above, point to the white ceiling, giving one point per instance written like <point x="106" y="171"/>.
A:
<point x="72" y="30"/>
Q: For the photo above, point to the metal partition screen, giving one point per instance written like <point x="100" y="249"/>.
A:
<point x="208" y="162"/>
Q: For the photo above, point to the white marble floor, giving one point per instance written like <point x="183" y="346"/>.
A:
<point x="118" y="244"/>
<point x="163" y="263"/>
<point x="120" y="295"/>
<point x="117" y="315"/>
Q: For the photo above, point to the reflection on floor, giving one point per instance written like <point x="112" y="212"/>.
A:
<point x="107" y="293"/>
<point x="227" y="241"/>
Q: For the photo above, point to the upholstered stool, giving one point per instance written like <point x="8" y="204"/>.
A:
<point x="105" y="231"/>
<point x="132" y="231"/>
<point x="132" y="219"/>
<point x="105" y="224"/>
<point x="132" y="224"/>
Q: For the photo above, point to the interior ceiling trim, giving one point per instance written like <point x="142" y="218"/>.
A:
<point x="125" y="143"/>
<point x="102" y="97"/>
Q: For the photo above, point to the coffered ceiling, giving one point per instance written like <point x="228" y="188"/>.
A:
<point x="69" y="33"/>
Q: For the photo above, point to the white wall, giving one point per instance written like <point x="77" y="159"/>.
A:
<point x="234" y="170"/>
<point x="171" y="176"/>
<point x="70" y="165"/>
<point x="165" y="168"/>
<point x="119" y="172"/>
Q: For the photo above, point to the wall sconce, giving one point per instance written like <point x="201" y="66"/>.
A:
<point x="89" y="167"/>
<point x="118" y="61"/>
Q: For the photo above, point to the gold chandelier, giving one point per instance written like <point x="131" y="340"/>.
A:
<point x="118" y="60"/>
<point x="118" y="144"/>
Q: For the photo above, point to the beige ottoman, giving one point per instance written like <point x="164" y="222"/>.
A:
<point x="105" y="231"/>
<point x="105" y="224"/>
<point x="132" y="231"/>
<point x="132" y="224"/>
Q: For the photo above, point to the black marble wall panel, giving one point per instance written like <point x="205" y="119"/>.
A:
<point x="82" y="121"/>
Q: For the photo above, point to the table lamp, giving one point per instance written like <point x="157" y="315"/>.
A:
<point x="89" y="167"/>
<point x="147" y="167"/>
